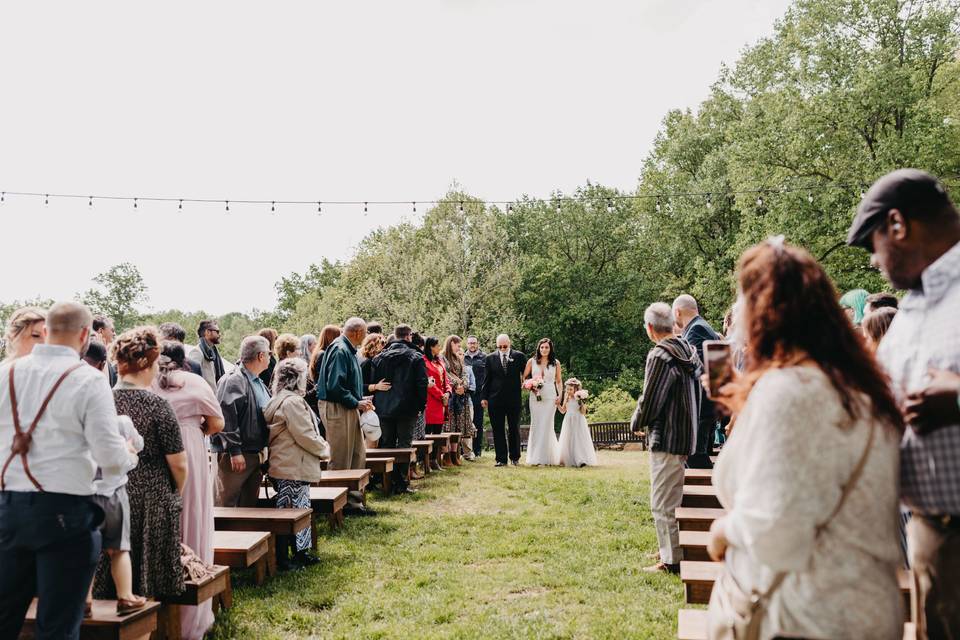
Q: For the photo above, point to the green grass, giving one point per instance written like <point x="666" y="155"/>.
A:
<point x="481" y="553"/>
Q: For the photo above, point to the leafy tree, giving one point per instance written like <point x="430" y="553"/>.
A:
<point x="291" y="289"/>
<point x="120" y="290"/>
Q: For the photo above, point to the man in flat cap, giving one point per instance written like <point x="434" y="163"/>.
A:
<point x="912" y="230"/>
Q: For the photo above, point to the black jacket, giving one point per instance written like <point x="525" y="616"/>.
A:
<point x="244" y="427"/>
<point x="402" y="366"/>
<point x="502" y="388"/>
<point x="478" y="363"/>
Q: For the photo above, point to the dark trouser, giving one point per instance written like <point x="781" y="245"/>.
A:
<point x="501" y="438"/>
<point x="49" y="547"/>
<point x="935" y="555"/>
<point x="478" y="423"/>
<point x="397" y="433"/>
<point x="435" y="429"/>
<point x="705" y="433"/>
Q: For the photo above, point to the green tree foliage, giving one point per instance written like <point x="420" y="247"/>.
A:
<point x="119" y="291"/>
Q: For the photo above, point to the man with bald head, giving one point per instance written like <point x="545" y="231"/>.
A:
<point x="341" y="401"/>
<point x="696" y="331"/>
<point x="500" y="395"/>
<point x="58" y="423"/>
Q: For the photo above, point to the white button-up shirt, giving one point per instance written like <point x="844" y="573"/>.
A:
<point x="925" y="334"/>
<point x="77" y="433"/>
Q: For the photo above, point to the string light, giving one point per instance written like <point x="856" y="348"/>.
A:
<point x="609" y="205"/>
<point x="90" y="202"/>
<point x="709" y="203"/>
<point x="509" y="208"/>
<point x="461" y="207"/>
<point x="364" y="208"/>
<point x="319" y="208"/>
<point x="658" y="205"/>
<point x="180" y="205"/>
<point x="46" y="199"/>
<point x="759" y="201"/>
<point x="3" y="197"/>
<point x="558" y="205"/>
<point x="134" y="203"/>
<point x="226" y="205"/>
<point x="414" y="206"/>
<point x="810" y="198"/>
<point x="273" y="207"/>
<point x="862" y="193"/>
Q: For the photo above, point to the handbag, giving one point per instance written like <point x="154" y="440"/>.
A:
<point x="736" y="614"/>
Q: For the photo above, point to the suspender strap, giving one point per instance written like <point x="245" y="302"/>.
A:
<point x="23" y="439"/>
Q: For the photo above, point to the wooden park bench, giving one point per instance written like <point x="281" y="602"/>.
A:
<point x="105" y="624"/>
<point x="349" y="479"/>
<point x="424" y="449"/>
<point x="698" y="579"/>
<point x="384" y="468"/>
<point x="243" y="549"/>
<point x="700" y="496"/>
<point x="280" y="522"/>
<point x="698" y="476"/>
<point x="696" y="518"/>
<point x="692" y="625"/>
<point x="400" y="456"/>
<point x="325" y="501"/>
<point x="615" y="433"/>
<point x="441" y="448"/>
<point x="216" y="587"/>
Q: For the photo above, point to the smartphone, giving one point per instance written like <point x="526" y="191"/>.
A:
<point x="718" y="361"/>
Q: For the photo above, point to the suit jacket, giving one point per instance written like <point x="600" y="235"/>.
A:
<point x="502" y="387"/>
<point x="697" y="332"/>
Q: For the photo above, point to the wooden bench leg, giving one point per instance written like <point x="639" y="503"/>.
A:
<point x="168" y="622"/>
<point x="388" y="483"/>
<point x="313" y="532"/>
<point x="272" y="556"/>
<point x="260" y="571"/>
<point x="226" y="598"/>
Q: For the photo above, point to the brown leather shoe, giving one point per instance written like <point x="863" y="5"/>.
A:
<point x="129" y="606"/>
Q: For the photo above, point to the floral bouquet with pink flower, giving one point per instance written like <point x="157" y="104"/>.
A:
<point x="581" y="394"/>
<point x="534" y="385"/>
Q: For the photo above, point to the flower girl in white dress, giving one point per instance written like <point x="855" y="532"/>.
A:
<point x="576" y="445"/>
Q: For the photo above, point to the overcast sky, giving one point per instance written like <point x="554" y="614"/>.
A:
<point x="375" y="100"/>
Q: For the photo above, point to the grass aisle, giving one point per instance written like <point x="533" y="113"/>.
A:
<point x="481" y="552"/>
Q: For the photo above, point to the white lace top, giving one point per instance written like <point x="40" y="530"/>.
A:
<point x="779" y="475"/>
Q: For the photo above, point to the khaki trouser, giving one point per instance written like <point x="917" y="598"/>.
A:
<point x="238" y="489"/>
<point x="666" y="493"/>
<point x="935" y="559"/>
<point x="347" y="450"/>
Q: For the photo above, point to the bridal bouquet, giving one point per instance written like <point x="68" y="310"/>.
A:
<point x="533" y="385"/>
<point x="582" y="394"/>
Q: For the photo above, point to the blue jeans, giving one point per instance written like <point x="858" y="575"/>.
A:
<point x="49" y="547"/>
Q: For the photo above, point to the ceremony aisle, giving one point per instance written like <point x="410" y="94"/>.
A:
<point x="481" y="552"/>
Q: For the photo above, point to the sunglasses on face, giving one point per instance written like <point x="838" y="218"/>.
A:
<point x="503" y="346"/>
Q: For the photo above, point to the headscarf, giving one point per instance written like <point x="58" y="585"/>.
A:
<point x="856" y="300"/>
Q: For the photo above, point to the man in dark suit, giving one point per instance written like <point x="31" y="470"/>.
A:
<point x="500" y="395"/>
<point x="696" y="331"/>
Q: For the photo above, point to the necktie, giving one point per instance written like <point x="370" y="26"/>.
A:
<point x="503" y="360"/>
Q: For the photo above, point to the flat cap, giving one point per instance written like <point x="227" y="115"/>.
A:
<point x="913" y="192"/>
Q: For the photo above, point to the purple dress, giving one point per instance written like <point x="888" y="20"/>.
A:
<point x="191" y="400"/>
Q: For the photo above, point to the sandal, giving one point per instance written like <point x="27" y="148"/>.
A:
<point x="87" y="609"/>
<point x="125" y="606"/>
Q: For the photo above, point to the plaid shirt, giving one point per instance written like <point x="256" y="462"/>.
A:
<point x="926" y="334"/>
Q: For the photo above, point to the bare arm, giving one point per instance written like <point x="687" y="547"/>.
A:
<point x="212" y="424"/>
<point x="526" y="370"/>
<point x="178" y="469"/>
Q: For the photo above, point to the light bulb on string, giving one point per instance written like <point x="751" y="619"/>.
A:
<point x="134" y="203"/>
<point x="414" y="204"/>
<point x="658" y="205"/>
<point x="364" y="209"/>
<point x="609" y="205"/>
<point x="90" y="201"/>
<point x="759" y="201"/>
<point x="709" y="203"/>
<point x="319" y="208"/>
<point x="180" y="206"/>
<point x="509" y="208"/>
<point x="810" y="198"/>
<point x="460" y="207"/>
<point x="226" y="206"/>
<point x="558" y="205"/>
<point x="273" y="207"/>
<point x="3" y="197"/>
<point x="862" y="193"/>
<point x="46" y="199"/>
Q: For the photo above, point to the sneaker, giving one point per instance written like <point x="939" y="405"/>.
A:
<point x="664" y="568"/>
<point x="304" y="559"/>
<point x="500" y="464"/>
<point x="515" y="463"/>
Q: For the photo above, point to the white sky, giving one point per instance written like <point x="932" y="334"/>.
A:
<point x="374" y="100"/>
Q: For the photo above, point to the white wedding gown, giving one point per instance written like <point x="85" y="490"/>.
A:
<point x="576" y="445"/>
<point x="542" y="447"/>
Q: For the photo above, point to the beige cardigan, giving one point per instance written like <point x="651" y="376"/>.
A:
<point x="295" y="446"/>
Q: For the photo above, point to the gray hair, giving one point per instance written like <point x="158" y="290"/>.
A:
<point x="354" y="324"/>
<point x="505" y="337"/>
<point x="252" y="346"/>
<point x="659" y="316"/>
<point x="290" y="375"/>
<point x="686" y="301"/>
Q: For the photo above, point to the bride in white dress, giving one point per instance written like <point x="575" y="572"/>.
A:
<point x="542" y="446"/>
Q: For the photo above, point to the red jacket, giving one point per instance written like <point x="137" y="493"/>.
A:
<point x="435" y="410"/>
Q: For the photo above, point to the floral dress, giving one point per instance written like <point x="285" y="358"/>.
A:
<point x="458" y="411"/>
<point x="155" y="504"/>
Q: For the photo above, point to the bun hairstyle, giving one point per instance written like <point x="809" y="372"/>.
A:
<point x="136" y="350"/>
<point x="172" y="358"/>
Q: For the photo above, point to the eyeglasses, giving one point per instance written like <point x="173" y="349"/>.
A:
<point x="503" y="346"/>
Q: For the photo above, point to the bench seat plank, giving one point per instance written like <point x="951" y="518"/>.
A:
<point x="697" y="519"/>
<point x="105" y="623"/>
<point x="700" y="496"/>
<point x="694" y="545"/>
<point x="697" y="476"/>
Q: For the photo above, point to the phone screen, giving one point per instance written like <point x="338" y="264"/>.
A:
<point x="718" y="363"/>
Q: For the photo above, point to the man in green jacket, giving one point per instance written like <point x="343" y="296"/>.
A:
<point x="341" y="401"/>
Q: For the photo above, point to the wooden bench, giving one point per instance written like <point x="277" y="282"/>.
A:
<point x="694" y="545"/>
<point x="698" y="579"/>
<point x="697" y="476"/>
<point x="441" y="449"/>
<point x="105" y="624"/>
<point x="424" y="449"/>
<point x="216" y="587"/>
<point x="696" y="518"/>
<point x="700" y="496"/>
<point x="406" y="455"/>
<point x="350" y="479"/>
<point x="327" y="501"/>
<point x="383" y="467"/>
<point x="243" y="549"/>
<point x="280" y="522"/>
<point x="692" y="625"/>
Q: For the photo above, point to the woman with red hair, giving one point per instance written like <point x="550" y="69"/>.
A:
<point x="808" y="476"/>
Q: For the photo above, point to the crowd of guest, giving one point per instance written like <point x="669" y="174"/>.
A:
<point x="839" y="409"/>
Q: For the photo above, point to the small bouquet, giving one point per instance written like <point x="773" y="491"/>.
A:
<point x="581" y="395"/>
<point x="534" y="385"/>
